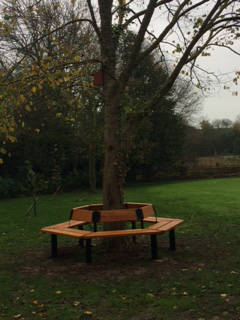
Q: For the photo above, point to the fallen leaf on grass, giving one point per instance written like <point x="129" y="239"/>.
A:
<point x="35" y="302"/>
<point x="76" y="303"/>
<point x="223" y="295"/>
<point x="58" y="292"/>
<point x="88" y="313"/>
<point x="17" y="316"/>
<point x="150" y="295"/>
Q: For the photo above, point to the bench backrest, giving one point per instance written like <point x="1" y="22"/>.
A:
<point x="95" y="213"/>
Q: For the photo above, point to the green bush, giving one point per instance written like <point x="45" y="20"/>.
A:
<point x="11" y="188"/>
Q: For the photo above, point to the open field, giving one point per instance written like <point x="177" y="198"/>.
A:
<point x="201" y="280"/>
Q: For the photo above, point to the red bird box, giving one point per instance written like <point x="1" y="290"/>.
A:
<point x="98" y="78"/>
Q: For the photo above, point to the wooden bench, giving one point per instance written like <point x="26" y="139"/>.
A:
<point x="94" y="214"/>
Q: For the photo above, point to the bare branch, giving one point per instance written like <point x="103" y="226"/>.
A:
<point x="31" y="45"/>
<point x="94" y="22"/>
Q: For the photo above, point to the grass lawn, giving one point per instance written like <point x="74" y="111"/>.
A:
<point x="201" y="280"/>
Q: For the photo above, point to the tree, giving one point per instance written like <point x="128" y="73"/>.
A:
<point x="190" y="28"/>
<point x="53" y="98"/>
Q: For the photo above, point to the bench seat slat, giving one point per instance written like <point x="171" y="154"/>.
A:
<point x="120" y="233"/>
<point x="169" y="226"/>
<point x="154" y="219"/>
<point x="68" y="232"/>
<point x="67" y="224"/>
<point x="160" y="224"/>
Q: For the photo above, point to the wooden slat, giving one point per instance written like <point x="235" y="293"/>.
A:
<point x="84" y="213"/>
<point x="68" y="224"/>
<point x="169" y="226"/>
<point x="81" y="214"/>
<point x="96" y="207"/>
<point x="132" y="205"/>
<point x="122" y="215"/>
<point x="158" y="225"/>
<point x="120" y="233"/>
<point x="148" y="211"/>
<point x="73" y="233"/>
<point x="153" y="219"/>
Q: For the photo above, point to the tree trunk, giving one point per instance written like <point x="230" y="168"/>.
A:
<point x="112" y="181"/>
<point x="112" y="175"/>
<point x="92" y="168"/>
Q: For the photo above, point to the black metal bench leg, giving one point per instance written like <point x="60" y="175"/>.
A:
<point x="88" y="251"/>
<point x="134" y="238"/>
<point x="54" y="245"/>
<point x="172" y="240"/>
<point x="154" y="246"/>
<point x="80" y="241"/>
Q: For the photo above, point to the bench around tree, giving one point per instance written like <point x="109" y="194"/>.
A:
<point x="94" y="214"/>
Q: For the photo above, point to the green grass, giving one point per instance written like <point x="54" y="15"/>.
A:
<point x="199" y="281"/>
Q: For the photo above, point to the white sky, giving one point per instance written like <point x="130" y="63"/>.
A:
<point x="222" y="104"/>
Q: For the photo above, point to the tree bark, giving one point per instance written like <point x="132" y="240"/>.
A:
<point x="112" y="181"/>
<point x="92" y="168"/>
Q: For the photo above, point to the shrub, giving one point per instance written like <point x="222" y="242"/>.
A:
<point x="11" y="188"/>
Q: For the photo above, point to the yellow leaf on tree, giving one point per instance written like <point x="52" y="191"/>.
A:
<point x="22" y="97"/>
<point x="28" y="108"/>
<point x="14" y="22"/>
<point x="23" y="124"/>
<point x="1" y="161"/>
<point x="77" y="58"/>
<point x="67" y="78"/>
<point x="12" y="139"/>
<point x="75" y="72"/>
<point x="34" y="89"/>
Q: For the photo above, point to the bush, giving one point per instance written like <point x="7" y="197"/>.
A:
<point x="11" y="188"/>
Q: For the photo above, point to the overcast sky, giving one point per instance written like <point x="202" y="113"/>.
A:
<point x="222" y="104"/>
